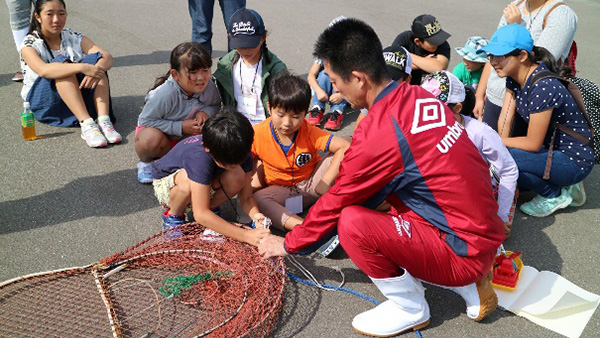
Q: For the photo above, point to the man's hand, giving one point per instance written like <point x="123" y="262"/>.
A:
<point x="255" y="236"/>
<point x="272" y="246"/>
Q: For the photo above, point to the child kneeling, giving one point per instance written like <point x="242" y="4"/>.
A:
<point x="292" y="175"/>
<point x="207" y="170"/>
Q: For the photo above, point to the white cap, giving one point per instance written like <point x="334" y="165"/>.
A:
<point x="26" y="105"/>
<point x="445" y="86"/>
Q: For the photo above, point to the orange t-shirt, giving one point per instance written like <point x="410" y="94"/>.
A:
<point x="299" y="162"/>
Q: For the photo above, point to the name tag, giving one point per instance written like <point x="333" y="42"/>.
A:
<point x="248" y="105"/>
<point x="294" y="204"/>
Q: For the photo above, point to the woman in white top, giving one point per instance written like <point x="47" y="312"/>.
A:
<point x="551" y="23"/>
<point x="65" y="78"/>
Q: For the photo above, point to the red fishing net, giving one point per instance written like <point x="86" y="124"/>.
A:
<point x="183" y="282"/>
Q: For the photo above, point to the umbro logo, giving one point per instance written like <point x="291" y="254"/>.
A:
<point x="429" y="114"/>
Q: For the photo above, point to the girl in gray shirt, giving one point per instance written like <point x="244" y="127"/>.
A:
<point x="176" y="107"/>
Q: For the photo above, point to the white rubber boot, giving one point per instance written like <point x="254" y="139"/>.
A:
<point x="405" y="309"/>
<point x="480" y="297"/>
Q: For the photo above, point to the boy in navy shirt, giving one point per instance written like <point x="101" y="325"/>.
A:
<point x="205" y="171"/>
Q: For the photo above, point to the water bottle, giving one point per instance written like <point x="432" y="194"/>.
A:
<point x="27" y="123"/>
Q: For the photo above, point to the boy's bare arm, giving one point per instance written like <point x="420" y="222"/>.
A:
<point x="312" y="81"/>
<point x="202" y="214"/>
<point x="338" y="147"/>
<point x="430" y="63"/>
<point x="481" y="89"/>
<point x="247" y="201"/>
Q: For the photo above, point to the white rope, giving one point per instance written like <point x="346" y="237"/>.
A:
<point x="312" y="278"/>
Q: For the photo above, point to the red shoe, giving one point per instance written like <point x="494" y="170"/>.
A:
<point x="335" y="121"/>
<point x="315" y="116"/>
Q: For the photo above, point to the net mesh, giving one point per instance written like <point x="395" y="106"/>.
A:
<point x="182" y="282"/>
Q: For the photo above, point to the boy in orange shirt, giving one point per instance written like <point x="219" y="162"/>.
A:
<point x="292" y="175"/>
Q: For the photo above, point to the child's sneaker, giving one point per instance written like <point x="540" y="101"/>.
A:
<point x="577" y="194"/>
<point x="144" y="172"/>
<point x="315" y="115"/>
<point x="541" y="207"/>
<point x="170" y="221"/>
<point x="335" y="121"/>
<point x="329" y="246"/>
<point x="109" y="130"/>
<point x="92" y="135"/>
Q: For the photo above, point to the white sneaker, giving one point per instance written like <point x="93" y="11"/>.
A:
<point x="109" y="131"/>
<point x="92" y="135"/>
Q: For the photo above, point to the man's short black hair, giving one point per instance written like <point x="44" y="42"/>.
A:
<point x="228" y="135"/>
<point x="352" y="45"/>
<point x="290" y="93"/>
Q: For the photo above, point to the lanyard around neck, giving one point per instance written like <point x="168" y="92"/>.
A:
<point x="253" y="79"/>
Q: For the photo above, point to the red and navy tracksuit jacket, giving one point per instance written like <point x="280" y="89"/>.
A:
<point x="410" y="151"/>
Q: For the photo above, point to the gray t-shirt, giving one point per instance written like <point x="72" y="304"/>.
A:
<point x="556" y="37"/>
<point x="168" y="105"/>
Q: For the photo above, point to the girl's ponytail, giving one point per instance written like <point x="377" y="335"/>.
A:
<point x="160" y="80"/>
<point x="265" y="52"/>
<point x="542" y="55"/>
<point x="469" y="103"/>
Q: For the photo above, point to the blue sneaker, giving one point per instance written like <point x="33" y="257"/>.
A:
<point x="329" y="246"/>
<point x="144" y="172"/>
<point x="170" y="221"/>
<point x="541" y="207"/>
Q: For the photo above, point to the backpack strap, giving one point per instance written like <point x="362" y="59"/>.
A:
<point x="576" y="93"/>
<point x="571" y="87"/>
<point x="550" y="11"/>
<point x="519" y="3"/>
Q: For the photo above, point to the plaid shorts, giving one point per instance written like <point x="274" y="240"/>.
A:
<point x="162" y="189"/>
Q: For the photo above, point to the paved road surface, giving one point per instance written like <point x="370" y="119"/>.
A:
<point x="63" y="204"/>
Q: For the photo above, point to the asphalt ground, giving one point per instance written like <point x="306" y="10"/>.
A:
<point x="63" y="204"/>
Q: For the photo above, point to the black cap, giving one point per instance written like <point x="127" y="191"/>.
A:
<point x="398" y="62"/>
<point x="427" y="27"/>
<point x="245" y="28"/>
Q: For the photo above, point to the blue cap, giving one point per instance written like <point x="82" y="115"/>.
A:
<point x="508" y="38"/>
<point x="245" y="28"/>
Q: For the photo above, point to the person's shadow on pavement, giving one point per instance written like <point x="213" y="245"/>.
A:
<point x="114" y="194"/>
